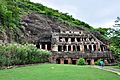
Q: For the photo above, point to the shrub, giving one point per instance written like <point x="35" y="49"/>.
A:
<point x="97" y="62"/>
<point x="17" y="54"/>
<point x="81" y="61"/>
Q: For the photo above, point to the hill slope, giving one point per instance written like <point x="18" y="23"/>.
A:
<point x="23" y="21"/>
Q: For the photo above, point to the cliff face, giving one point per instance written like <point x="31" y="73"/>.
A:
<point x="34" y="25"/>
<point x="29" y="28"/>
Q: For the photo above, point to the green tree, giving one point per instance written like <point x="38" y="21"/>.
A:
<point x="115" y="38"/>
<point x="81" y="61"/>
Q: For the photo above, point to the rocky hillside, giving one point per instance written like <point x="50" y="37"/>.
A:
<point x="34" y="25"/>
<point x="23" y="21"/>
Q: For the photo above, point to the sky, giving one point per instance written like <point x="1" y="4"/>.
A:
<point x="97" y="13"/>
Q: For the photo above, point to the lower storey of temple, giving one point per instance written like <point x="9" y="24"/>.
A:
<point x="74" y="61"/>
<point x="72" y="57"/>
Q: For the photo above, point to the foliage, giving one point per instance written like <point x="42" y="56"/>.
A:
<point x="81" y="61"/>
<point x="115" y="38"/>
<point x="112" y="36"/>
<point x="17" y="54"/>
<point x="11" y="12"/>
<point x="97" y="62"/>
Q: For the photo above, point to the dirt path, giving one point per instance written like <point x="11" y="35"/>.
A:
<point x="109" y="69"/>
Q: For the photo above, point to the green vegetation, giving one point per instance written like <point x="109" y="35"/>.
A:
<point x="116" y="67"/>
<point x="112" y="37"/>
<point x="57" y="72"/>
<point x="97" y="62"/>
<point x="81" y="61"/>
<point x="11" y="12"/>
<point x="17" y="54"/>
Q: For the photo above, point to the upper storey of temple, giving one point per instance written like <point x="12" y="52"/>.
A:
<point x="83" y="37"/>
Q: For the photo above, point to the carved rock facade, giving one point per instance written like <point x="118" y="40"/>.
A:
<point x="68" y="46"/>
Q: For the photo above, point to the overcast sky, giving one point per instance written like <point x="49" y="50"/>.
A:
<point x="97" y="13"/>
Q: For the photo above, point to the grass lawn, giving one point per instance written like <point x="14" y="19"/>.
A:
<point x="116" y="67"/>
<point x="57" y="72"/>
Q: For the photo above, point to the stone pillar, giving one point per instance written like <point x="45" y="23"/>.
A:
<point x="103" y="48"/>
<point x="55" y="48"/>
<point x="92" y="47"/>
<point x="62" y="48"/>
<point x="97" y="48"/>
<point x="61" y="61"/>
<point x="82" y="48"/>
<point x="106" y="62"/>
<point x="66" y="47"/>
<point x="69" y="39"/>
<point x="69" y="61"/>
<point x="40" y="46"/>
<point x="79" y="47"/>
<point x="63" y="39"/>
<point x="45" y="46"/>
<point x="76" y="40"/>
<point x="92" y="62"/>
<point x="71" y="47"/>
<point x="87" y="47"/>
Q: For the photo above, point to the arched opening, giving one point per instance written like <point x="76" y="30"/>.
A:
<point x="78" y="48"/>
<point x="101" y="46"/>
<point x="66" y="39"/>
<point x="64" y="48"/>
<point x="43" y="46"/>
<point x="88" y="62"/>
<point x="74" y="61"/>
<point x="85" y="47"/>
<point x="49" y="46"/>
<point x="37" y="45"/>
<point x="78" y="39"/>
<point x="72" y="39"/>
<point x="58" y="61"/>
<point x="65" y="61"/>
<point x="60" y="39"/>
<point x="94" y="47"/>
<point x="90" y="48"/>
<point x="69" y="48"/>
<point x="74" y="49"/>
<point x="59" y="48"/>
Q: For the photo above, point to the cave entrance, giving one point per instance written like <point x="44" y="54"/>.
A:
<point x="78" y="39"/>
<point x="94" y="47"/>
<point x="72" y="39"/>
<point x="58" y="61"/>
<point x="59" y="48"/>
<point x="74" y="61"/>
<point x="78" y="48"/>
<point x="65" y="61"/>
<point x="49" y="46"/>
<point x="64" y="48"/>
<point x="74" y="48"/>
<point x="66" y="39"/>
<point x="89" y="62"/>
<point x="85" y="47"/>
<point x="69" y="48"/>
<point x="43" y="45"/>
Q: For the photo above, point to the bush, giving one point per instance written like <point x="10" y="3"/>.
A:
<point x="17" y="54"/>
<point x="98" y="62"/>
<point x="81" y="61"/>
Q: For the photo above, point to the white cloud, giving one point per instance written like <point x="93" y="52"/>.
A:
<point x="101" y="13"/>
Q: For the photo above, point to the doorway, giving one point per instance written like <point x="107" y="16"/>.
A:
<point x="73" y="61"/>
<point x="65" y="61"/>
<point x="89" y="62"/>
<point x="58" y="61"/>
